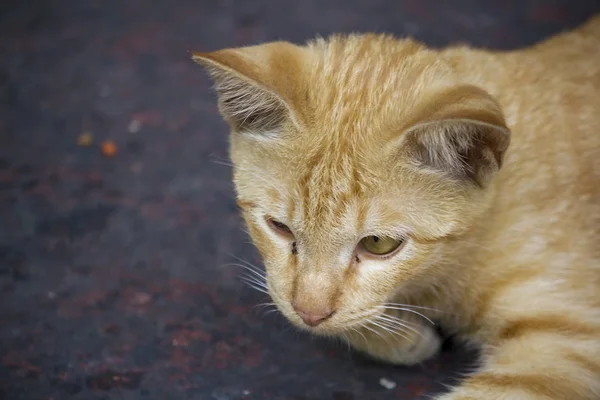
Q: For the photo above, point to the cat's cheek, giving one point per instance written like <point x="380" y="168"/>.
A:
<point x="263" y="241"/>
<point x="385" y="277"/>
<point x="259" y="238"/>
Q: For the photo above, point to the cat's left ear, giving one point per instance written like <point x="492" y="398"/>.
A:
<point x="461" y="133"/>
<point x="257" y="86"/>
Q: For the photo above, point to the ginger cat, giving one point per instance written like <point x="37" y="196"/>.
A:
<point x="376" y="178"/>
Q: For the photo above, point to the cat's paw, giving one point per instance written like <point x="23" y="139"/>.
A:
<point x="419" y="344"/>
<point x="421" y="348"/>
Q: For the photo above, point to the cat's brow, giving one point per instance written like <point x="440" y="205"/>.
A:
<point x="328" y="185"/>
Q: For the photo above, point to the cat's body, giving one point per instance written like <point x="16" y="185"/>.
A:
<point x="368" y="136"/>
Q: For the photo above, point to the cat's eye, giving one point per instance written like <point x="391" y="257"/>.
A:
<point x="380" y="245"/>
<point x="280" y="227"/>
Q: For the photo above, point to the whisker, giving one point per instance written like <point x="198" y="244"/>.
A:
<point x="217" y="157"/>
<point x="249" y="265"/>
<point x="398" y="320"/>
<point x="258" y="289"/>
<point x="366" y="326"/>
<point x="265" y="305"/>
<point x="390" y="331"/>
<point x="265" y="308"/>
<point x="245" y="262"/>
<point x="346" y="341"/>
<point x="221" y="162"/>
<point x="251" y="279"/>
<point x="397" y="323"/>
<point x="411" y="306"/>
<point x="361" y="334"/>
<point x="257" y="273"/>
<point x="254" y="286"/>
<point x="360" y="316"/>
<point x="407" y="310"/>
<point x="258" y="278"/>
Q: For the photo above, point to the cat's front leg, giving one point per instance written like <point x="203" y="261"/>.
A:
<point x="545" y="366"/>
<point x="400" y="347"/>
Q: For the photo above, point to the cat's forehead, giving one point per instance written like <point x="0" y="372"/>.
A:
<point x="330" y="192"/>
<point x="352" y="95"/>
<point x="359" y="80"/>
<point x="360" y="89"/>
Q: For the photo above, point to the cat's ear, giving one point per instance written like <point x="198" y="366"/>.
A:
<point x="256" y="85"/>
<point x="461" y="132"/>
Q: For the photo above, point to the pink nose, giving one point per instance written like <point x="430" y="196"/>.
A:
<point x="313" y="318"/>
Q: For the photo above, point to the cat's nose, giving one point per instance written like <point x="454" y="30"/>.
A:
<point x="313" y="318"/>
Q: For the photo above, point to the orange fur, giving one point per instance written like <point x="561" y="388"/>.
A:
<point x="485" y="163"/>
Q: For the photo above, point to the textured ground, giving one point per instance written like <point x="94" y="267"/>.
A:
<point x="113" y="282"/>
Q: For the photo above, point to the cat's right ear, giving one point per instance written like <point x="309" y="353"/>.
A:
<point x="461" y="133"/>
<point x="257" y="86"/>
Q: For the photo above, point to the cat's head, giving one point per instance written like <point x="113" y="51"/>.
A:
<point x="356" y="161"/>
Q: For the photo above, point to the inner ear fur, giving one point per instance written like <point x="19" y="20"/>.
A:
<point x="461" y="133"/>
<point x="255" y="85"/>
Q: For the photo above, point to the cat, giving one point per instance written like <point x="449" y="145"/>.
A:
<point x="388" y="185"/>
